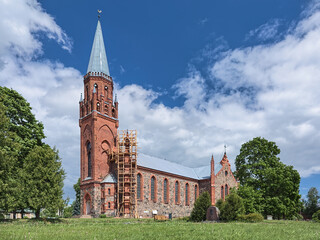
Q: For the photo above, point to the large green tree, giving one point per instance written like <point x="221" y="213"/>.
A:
<point x="26" y="133"/>
<point x="44" y="179"/>
<point x="9" y="150"/>
<point x="276" y="184"/>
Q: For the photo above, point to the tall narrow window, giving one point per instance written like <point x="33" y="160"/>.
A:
<point x="139" y="186"/>
<point x="153" y="189"/>
<point x="226" y="189"/>
<point x="176" y="196"/>
<point x="222" y="197"/>
<point x="187" y="194"/>
<point x="89" y="159"/>
<point x="165" y="190"/>
<point x="195" y="192"/>
<point x="105" y="92"/>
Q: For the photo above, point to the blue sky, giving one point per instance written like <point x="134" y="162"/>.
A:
<point x="199" y="75"/>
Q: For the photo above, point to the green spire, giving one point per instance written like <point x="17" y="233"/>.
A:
<point x="98" y="58"/>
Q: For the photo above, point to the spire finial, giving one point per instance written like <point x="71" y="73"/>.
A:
<point x="225" y="149"/>
<point x="81" y="99"/>
<point x="99" y="12"/>
<point x="115" y="98"/>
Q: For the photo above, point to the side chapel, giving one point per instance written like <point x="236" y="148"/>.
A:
<point x="115" y="179"/>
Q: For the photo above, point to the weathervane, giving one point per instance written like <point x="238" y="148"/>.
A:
<point x="99" y="11"/>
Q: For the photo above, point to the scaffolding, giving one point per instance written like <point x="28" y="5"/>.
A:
<point x="126" y="159"/>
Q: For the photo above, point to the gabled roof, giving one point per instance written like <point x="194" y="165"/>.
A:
<point x="175" y="168"/>
<point x="98" y="59"/>
<point x="110" y="178"/>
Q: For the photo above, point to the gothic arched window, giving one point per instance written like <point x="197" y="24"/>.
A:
<point x="226" y="189"/>
<point x="165" y="191"/>
<point x="139" y="186"/>
<point x="222" y="197"/>
<point x="195" y="192"/>
<point x="153" y="188"/>
<point x="89" y="159"/>
<point x="176" y="192"/>
<point x="187" y="194"/>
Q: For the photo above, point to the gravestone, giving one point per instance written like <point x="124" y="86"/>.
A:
<point x="213" y="213"/>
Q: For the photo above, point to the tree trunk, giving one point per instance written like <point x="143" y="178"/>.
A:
<point x="14" y="214"/>
<point x="22" y="213"/>
<point x="37" y="213"/>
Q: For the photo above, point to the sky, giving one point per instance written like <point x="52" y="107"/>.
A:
<point x="190" y="76"/>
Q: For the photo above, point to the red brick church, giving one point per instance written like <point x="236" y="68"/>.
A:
<point x="115" y="179"/>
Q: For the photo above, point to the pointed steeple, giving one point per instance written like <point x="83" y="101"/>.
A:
<point x="98" y="58"/>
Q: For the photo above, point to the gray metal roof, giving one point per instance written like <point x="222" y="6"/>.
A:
<point x="175" y="168"/>
<point x="110" y="178"/>
<point x="98" y="59"/>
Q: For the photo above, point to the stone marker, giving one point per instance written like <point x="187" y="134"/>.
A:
<point x="213" y="213"/>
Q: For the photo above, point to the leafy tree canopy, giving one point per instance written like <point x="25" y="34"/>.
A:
<point x="275" y="185"/>
<point x="45" y="179"/>
<point x="29" y="131"/>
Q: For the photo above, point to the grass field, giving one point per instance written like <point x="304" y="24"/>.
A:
<point x="148" y="229"/>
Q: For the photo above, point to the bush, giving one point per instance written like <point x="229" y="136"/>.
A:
<point x="200" y="208"/>
<point x="232" y="207"/>
<point x="2" y="216"/>
<point x="25" y="217"/>
<point x="297" y="217"/>
<point x="103" y="216"/>
<point x="251" y="217"/>
<point x="316" y="216"/>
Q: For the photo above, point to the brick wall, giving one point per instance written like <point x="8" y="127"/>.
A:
<point x="145" y="205"/>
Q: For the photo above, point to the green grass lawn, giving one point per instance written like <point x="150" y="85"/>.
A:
<point x="148" y="229"/>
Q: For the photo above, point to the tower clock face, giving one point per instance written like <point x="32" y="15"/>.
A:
<point x="95" y="85"/>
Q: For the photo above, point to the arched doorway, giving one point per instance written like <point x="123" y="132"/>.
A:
<point x="87" y="205"/>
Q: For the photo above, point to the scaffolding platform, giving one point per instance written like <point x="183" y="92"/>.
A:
<point x="126" y="160"/>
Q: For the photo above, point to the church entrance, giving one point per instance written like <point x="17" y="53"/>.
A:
<point x="87" y="205"/>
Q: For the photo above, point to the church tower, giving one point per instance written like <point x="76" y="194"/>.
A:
<point x="98" y="129"/>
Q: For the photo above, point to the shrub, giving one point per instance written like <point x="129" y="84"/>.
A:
<point x="103" y="216"/>
<point x="232" y="207"/>
<point x="297" y="217"/>
<point x="316" y="216"/>
<point x="25" y="217"/>
<point x="251" y="217"/>
<point x="2" y="216"/>
<point x="200" y="208"/>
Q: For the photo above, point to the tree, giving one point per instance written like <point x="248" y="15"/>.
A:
<point x="232" y="207"/>
<point x="45" y="179"/>
<point x="258" y="167"/>
<point x="76" y="203"/>
<point x="252" y="200"/>
<point x="200" y="208"/>
<point x="312" y="203"/>
<point x="9" y="150"/>
<point x="26" y="133"/>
